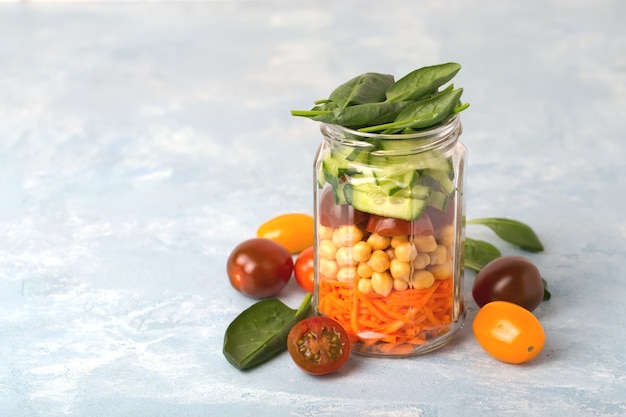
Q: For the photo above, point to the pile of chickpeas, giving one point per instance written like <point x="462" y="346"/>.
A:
<point x="381" y="264"/>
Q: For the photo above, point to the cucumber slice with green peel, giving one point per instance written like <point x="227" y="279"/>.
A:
<point x="383" y="205"/>
<point x="418" y="191"/>
<point x="439" y="200"/>
<point x="428" y="160"/>
<point x="438" y="180"/>
<point x="350" y="154"/>
<point x="321" y="178"/>
<point x="339" y="193"/>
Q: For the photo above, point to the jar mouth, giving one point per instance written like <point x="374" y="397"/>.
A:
<point x="422" y="140"/>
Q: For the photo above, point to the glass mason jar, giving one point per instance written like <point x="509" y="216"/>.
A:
<point x="389" y="233"/>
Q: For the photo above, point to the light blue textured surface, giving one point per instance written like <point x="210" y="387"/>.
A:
<point x="140" y="142"/>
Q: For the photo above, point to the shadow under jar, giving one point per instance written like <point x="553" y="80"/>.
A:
<point x="389" y="233"/>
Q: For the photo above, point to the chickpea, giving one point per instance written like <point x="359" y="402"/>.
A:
<point x="421" y="261"/>
<point x="441" y="271"/>
<point x="446" y="235"/>
<point x="439" y="255"/>
<point x="364" y="270"/>
<point x="382" y="283"/>
<point x="347" y="274"/>
<point x="365" y="285"/>
<point x="397" y="240"/>
<point x="378" y="242"/>
<point x="361" y="251"/>
<point x="400" y="270"/>
<point x="379" y="261"/>
<point x="329" y="268"/>
<point x="422" y="279"/>
<point x="400" y="285"/>
<point x="405" y="251"/>
<point x="425" y="243"/>
<point x="391" y="253"/>
<point x="325" y="232"/>
<point x="327" y="249"/>
<point x="345" y="256"/>
<point x="347" y="235"/>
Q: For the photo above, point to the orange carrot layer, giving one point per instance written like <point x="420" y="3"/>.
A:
<point x="403" y="318"/>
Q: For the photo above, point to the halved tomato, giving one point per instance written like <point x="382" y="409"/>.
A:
<point x="442" y="218"/>
<point x="332" y="214"/>
<point x="318" y="345"/>
<point x="388" y="226"/>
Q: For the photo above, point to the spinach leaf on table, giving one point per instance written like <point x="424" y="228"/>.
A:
<point x="260" y="332"/>
<point x="512" y="231"/>
<point x="479" y="253"/>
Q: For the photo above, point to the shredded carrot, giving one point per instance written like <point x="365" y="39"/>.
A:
<point x="401" y="320"/>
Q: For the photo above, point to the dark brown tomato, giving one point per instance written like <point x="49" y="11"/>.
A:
<point x="509" y="278"/>
<point x="332" y="214"/>
<point x="259" y="267"/>
<point x="318" y="345"/>
<point x="389" y="226"/>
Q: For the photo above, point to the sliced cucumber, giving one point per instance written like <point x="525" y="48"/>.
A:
<point x="415" y="161"/>
<point x="438" y="180"/>
<point x="439" y="200"/>
<point x="376" y="202"/>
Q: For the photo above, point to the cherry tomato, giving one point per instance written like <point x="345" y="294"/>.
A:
<point x="293" y="230"/>
<point x="509" y="278"/>
<point x="318" y="345"/>
<point x="508" y="332"/>
<point x="442" y="218"/>
<point x="259" y="268"/>
<point x="334" y="215"/>
<point x="304" y="269"/>
<point x="388" y="226"/>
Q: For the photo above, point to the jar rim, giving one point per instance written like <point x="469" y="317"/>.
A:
<point x="418" y="141"/>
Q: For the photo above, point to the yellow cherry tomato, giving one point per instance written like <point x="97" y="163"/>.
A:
<point x="294" y="231"/>
<point x="508" y="332"/>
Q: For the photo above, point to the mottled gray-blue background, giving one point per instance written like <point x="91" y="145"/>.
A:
<point x="140" y="142"/>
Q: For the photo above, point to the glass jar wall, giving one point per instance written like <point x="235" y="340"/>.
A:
<point x="389" y="231"/>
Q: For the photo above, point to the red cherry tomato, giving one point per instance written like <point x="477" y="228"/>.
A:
<point x="388" y="226"/>
<point x="304" y="269"/>
<point x="259" y="268"/>
<point x="440" y="218"/>
<point x="332" y="214"/>
<point x="508" y="332"/>
<point x="509" y="278"/>
<point x="318" y="345"/>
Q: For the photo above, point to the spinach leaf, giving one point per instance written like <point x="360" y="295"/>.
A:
<point x="421" y="114"/>
<point x="260" y="331"/>
<point x="422" y="81"/>
<point x="512" y="231"/>
<point x="479" y="253"/>
<point x="363" y="114"/>
<point x="365" y="88"/>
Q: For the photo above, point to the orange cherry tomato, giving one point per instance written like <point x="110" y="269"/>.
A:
<point x="304" y="269"/>
<point x="508" y="332"/>
<point x="294" y="231"/>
